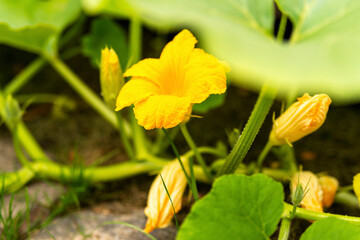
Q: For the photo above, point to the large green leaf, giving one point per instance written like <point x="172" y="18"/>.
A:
<point x="34" y="25"/>
<point x="331" y="229"/>
<point x="238" y="207"/>
<point x="322" y="56"/>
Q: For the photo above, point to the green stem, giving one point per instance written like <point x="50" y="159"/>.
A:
<point x="348" y="199"/>
<point x="135" y="40"/>
<point x="193" y="147"/>
<point x="139" y="139"/>
<point x="284" y="229"/>
<point x="263" y="155"/>
<point x="250" y="131"/>
<point x="192" y="178"/>
<point x="95" y="174"/>
<point x="160" y="145"/>
<point x="314" y="216"/>
<point x="125" y="140"/>
<point x="190" y="182"/>
<point x="75" y="30"/>
<point x="84" y="91"/>
<point x="24" y="136"/>
<point x="24" y="76"/>
<point x="282" y="28"/>
<point x="286" y="155"/>
<point x="30" y="144"/>
<point x="346" y="188"/>
<point x="18" y="151"/>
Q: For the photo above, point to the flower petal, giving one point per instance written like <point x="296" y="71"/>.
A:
<point x="149" y="68"/>
<point x="134" y="91"/>
<point x="177" y="52"/>
<point x="205" y="75"/>
<point x="162" y="111"/>
<point x="159" y="208"/>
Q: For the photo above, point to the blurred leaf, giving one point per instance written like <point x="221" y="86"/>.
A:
<point x="119" y="8"/>
<point x="34" y="25"/>
<point x="238" y="207"/>
<point x="322" y="56"/>
<point x="105" y="32"/>
<point x="331" y="229"/>
<point x="214" y="101"/>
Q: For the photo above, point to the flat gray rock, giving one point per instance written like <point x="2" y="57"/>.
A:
<point x="88" y="224"/>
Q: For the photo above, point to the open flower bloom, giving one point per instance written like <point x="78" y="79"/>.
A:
<point x="313" y="199"/>
<point x="329" y="186"/>
<point x="159" y="209"/>
<point x="300" y="119"/>
<point x="163" y="90"/>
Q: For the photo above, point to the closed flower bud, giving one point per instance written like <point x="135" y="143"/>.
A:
<point x="300" y="119"/>
<point x="111" y="76"/>
<point x="329" y="187"/>
<point x="159" y="209"/>
<point x="313" y="194"/>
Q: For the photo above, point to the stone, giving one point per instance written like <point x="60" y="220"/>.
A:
<point x="87" y="224"/>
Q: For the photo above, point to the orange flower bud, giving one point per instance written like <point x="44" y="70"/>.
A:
<point x="300" y="119"/>
<point x="329" y="187"/>
<point x="313" y="199"/>
<point x="111" y="77"/>
<point x="159" y="209"/>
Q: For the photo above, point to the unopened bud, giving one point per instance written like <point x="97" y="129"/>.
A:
<point x="111" y="77"/>
<point x="159" y="209"/>
<point x="313" y="194"/>
<point x="329" y="187"/>
<point x="300" y="119"/>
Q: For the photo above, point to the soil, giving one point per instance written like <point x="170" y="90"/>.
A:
<point x="82" y="134"/>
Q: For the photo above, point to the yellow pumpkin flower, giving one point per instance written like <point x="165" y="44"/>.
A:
<point x="159" y="209"/>
<point x="329" y="186"/>
<point x="163" y="90"/>
<point x="300" y="119"/>
<point x="313" y="199"/>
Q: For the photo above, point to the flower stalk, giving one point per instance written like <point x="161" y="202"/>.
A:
<point x="284" y="229"/>
<point x="314" y="216"/>
<point x="193" y="147"/>
<point x="257" y="117"/>
<point x="191" y="182"/>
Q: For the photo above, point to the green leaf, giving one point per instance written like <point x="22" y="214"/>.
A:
<point x="322" y="57"/>
<point x="214" y="101"/>
<point x="34" y="25"/>
<point x="105" y="32"/>
<point x="119" y="8"/>
<point x="238" y="207"/>
<point x="331" y="229"/>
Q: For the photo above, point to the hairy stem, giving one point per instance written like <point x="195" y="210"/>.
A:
<point x="313" y="216"/>
<point x="257" y="117"/>
<point x="284" y="229"/>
